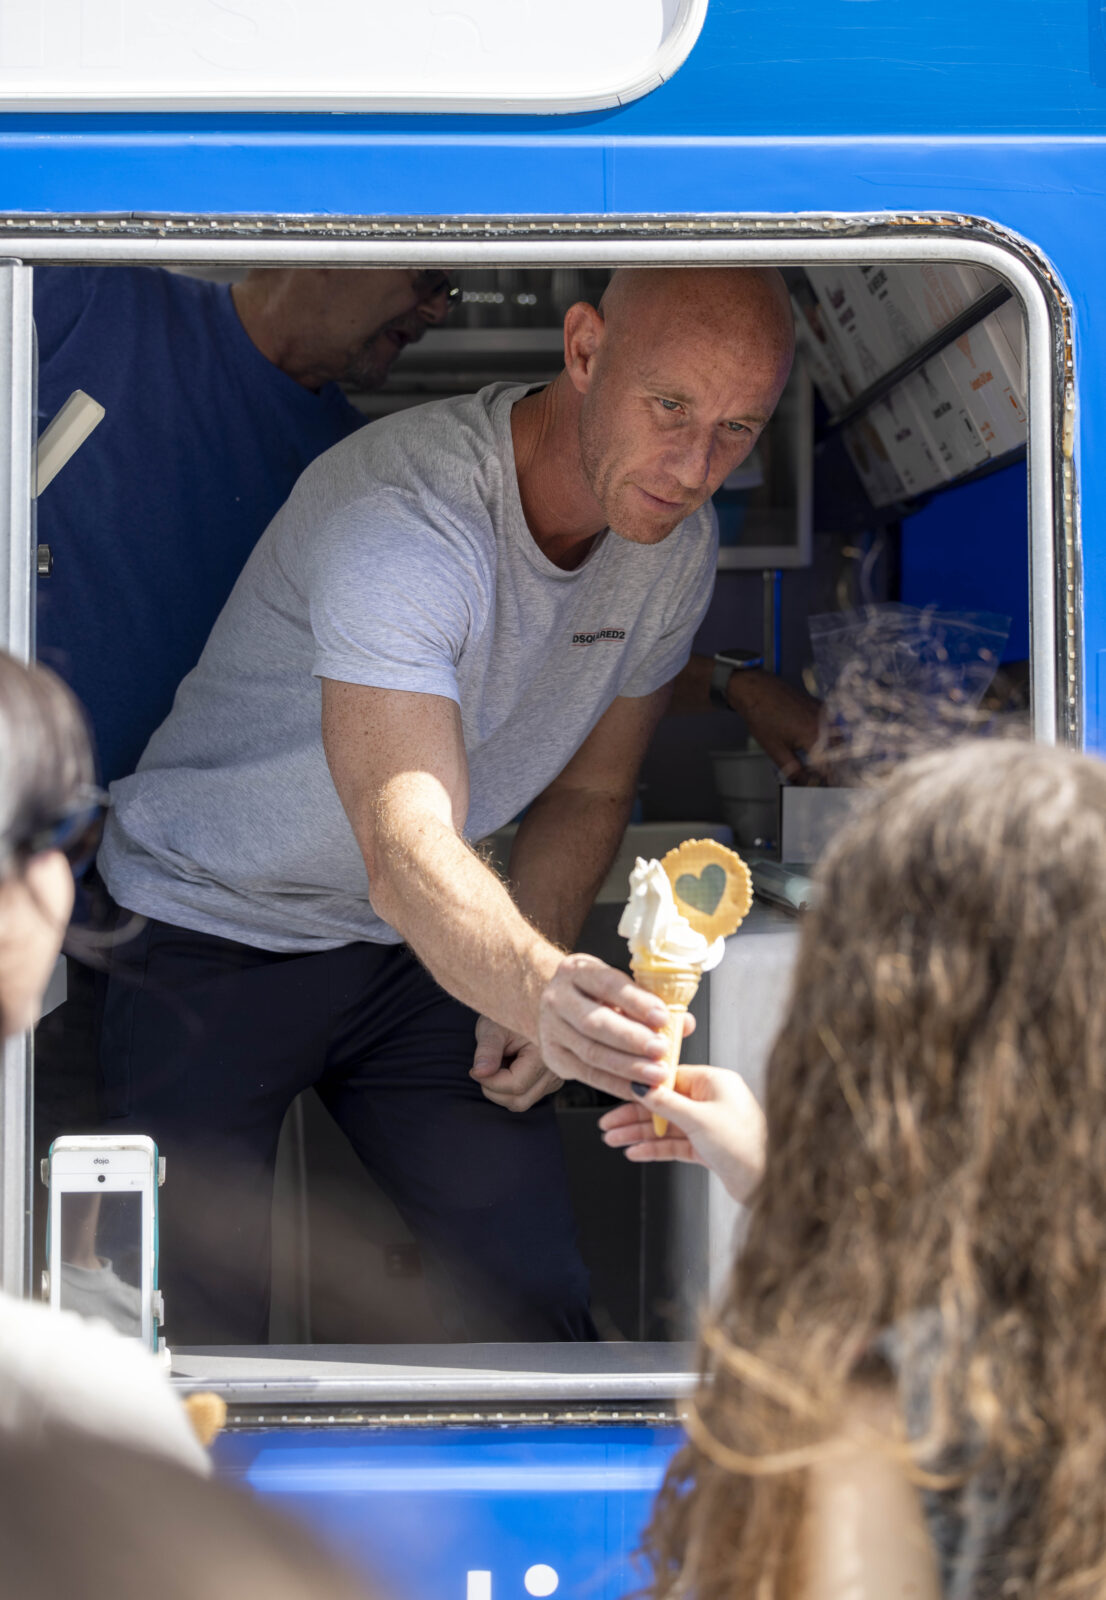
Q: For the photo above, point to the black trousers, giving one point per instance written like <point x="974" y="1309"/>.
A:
<point x="204" y="1045"/>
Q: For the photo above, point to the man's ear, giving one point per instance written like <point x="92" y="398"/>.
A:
<point x="584" y="333"/>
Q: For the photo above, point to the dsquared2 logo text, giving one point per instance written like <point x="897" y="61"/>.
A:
<point x="601" y="635"/>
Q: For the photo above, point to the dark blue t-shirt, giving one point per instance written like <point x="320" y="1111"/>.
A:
<point x="151" y="521"/>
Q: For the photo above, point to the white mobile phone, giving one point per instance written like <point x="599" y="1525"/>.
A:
<point x="101" y="1231"/>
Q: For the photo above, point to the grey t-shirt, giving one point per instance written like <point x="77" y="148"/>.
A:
<point x="402" y="560"/>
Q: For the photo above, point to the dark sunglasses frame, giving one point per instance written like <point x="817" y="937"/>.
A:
<point x="76" y="834"/>
<point x="440" y="283"/>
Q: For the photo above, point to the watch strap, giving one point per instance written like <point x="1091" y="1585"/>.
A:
<point x="726" y="663"/>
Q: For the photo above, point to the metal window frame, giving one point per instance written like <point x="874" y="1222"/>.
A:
<point x="715" y="240"/>
<point x="17" y="595"/>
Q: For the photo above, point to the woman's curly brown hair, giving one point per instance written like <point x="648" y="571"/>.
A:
<point x="936" y="1109"/>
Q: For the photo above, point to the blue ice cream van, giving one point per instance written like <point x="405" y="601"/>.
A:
<point x="932" y="181"/>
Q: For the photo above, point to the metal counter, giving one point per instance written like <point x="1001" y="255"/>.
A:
<point x="468" y="1375"/>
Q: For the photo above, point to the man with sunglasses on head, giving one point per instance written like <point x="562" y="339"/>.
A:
<point x="216" y="398"/>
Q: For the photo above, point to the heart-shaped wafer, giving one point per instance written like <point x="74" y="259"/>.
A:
<point x="711" y="884"/>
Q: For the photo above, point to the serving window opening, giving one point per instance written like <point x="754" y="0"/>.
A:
<point x="886" y="508"/>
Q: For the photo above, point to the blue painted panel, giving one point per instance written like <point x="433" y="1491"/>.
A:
<point x="423" y="1510"/>
<point x="968" y="551"/>
<point x="887" y="66"/>
<point x="337" y="172"/>
<point x="1027" y="185"/>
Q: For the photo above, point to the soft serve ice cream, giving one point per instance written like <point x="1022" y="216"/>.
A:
<point x="667" y="956"/>
<point x="669" y="952"/>
<point x="657" y="934"/>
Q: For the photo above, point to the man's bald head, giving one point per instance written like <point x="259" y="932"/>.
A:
<point x="677" y="371"/>
<point x="748" y="304"/>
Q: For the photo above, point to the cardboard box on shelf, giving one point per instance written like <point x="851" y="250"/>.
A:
<point x="948" y="423"/>
<point x="1008" y="331"/>
<point x="934" y="292"/>
<point x="941" y="447"/>
<point x="814" y="347"/>
<point x="903" y="435"/>
<point x="983" y="280"/>
<point x="905" y="305"/>
<point x="894" y="326"/>
<point x="984" y="385"/>
<point x="964" y="406"/>
<point x="873" y="465"/>
<point x="840" y="292"/>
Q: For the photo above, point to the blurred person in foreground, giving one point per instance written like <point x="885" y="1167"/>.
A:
<point x="53" y="1366"/>
<point x="903" y="1389"/>
<point x="94" y="1445"/>
<point x="132" y="1527"/>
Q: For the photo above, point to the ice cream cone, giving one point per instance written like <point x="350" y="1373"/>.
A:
<point x="676" y="986"/>
<point x="208" y="1415"/>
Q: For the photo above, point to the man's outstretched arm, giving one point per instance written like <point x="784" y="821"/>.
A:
<point x="398" y="762"/>
<point x="562" y="852"/>
<point x="571" y="833"/>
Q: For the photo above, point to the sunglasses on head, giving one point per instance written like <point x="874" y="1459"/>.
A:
<point x="76" y="833"/>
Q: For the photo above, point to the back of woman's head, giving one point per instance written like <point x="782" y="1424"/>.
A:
<point x="936" y="1109"/>
<point x="940" y="1081"/>
<point x="45" y="758"/>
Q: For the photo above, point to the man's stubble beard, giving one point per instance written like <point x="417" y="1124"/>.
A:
<point x="629" y="523"/>
<point x="370" y="365"/>
<point x="621" y="516"/>
<point x="591" y="467"/>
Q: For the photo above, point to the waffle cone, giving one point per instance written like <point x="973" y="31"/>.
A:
<point x="208" y="1415"/>
<point x="677" y="987"/>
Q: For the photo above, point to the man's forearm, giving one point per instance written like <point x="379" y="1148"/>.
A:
<point x="563" y="851"/>
<point x="691" y="687"/>
<point x="400" y="769"/>
<point x="460" y="920"/>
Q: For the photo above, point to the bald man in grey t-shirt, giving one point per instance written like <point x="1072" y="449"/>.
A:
<point x="470" y="609"/>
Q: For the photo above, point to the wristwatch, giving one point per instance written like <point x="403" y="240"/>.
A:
<point x="726" y="663"/>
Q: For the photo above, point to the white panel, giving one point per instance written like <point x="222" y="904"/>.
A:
<point x="430" y="55"/>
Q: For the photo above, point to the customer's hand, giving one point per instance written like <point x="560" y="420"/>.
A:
<point x="713" y="1118"/>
